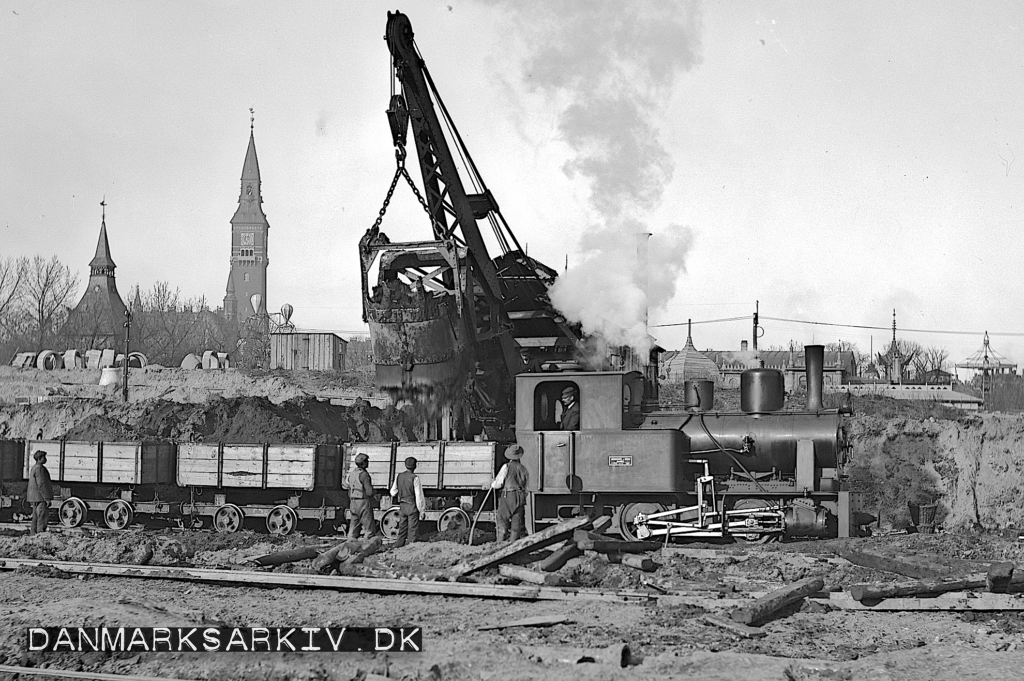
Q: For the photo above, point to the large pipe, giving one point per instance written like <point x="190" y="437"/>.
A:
<point x="814" y="361"/>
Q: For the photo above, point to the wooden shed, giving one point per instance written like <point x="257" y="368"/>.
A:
<point x="316" y="351"/>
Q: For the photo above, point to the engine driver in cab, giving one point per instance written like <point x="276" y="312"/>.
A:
<point x="570" y="409"/>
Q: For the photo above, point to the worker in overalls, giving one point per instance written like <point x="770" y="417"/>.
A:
<point x="512" y="480"/>
<point x="360" y="499"/>
<point x="408" y="492"/>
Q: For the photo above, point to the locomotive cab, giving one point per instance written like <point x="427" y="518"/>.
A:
<point x="607" y="462"/>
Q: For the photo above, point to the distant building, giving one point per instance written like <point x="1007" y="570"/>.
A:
<point x="313" y="351"/>
<point x="946" y="395"/>
<point x="97" y="322"/>
<point x="249" y="249"/>
<point x="838" y="369"/>
<point x="688" y="364"/>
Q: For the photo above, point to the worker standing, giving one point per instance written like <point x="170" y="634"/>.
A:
<point x="411" y="503"/>
<point x="360" y="497"/>
<point x="40" y="492"/>
<point x="512" y="480"/>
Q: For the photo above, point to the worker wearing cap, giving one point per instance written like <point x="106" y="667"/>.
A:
<point x="360" y="499"/>
<point x="40" y="492"/>
<point x="570" y="409"/>
<point x="512" y="480"/>
<point x="411" y="503"/>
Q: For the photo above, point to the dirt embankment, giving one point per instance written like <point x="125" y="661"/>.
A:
<point x="972" y="467"/>
<point x="240" y="420"/>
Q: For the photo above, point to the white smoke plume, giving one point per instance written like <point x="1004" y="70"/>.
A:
<point x="608" y="68"/>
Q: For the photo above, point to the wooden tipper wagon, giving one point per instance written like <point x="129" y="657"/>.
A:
<point x="454" y="475"/>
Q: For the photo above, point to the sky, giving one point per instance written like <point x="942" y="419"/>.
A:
<point x="829" y="162"/>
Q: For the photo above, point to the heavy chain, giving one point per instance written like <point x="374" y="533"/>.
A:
<point x="401" y="171"/>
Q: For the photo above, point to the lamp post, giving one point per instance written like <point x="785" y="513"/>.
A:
<point x="127" y="338"/>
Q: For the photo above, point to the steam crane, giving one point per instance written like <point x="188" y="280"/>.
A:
<point x="449" y="325"/>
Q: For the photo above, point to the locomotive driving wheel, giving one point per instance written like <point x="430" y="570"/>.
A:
<point x="228" y="518"/>
<point x="389" y="523"/>
<point x="628" y="514"/>
<point x="282" y="520"/>
<point x="72" y="512"/>
<point x="452" y="519"/>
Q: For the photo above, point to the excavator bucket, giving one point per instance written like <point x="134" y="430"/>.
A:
<point x="421" y="341"/>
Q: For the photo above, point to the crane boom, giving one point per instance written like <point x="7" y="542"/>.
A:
<point x="448" y="323"/>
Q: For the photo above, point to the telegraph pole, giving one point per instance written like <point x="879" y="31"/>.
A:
<point x="757" y="306"/>
<point x="127" y="337"/>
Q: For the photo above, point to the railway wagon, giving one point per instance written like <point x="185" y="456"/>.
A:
<point x="110" y="482"/>
<point x="12" y="479"/>
<point x="455" y="476"/>
<point x="279" y="484"/>
<point x="219" y="485"/>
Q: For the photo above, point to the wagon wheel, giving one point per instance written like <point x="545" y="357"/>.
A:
<point x="118" y="514"/>
<point x="629" y="512"/>
<point x="389" y="523"/>
<point x="228" y="518"/>
<point x="282" y="520"/>
<point x="72" y="512"/>
<point x="452" y="519"/>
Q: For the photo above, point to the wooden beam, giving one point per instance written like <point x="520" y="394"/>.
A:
<point x="918" y="567"/>
<point x="877" y="591"/>
<point x="352" y="584"/>
<point x="955" y="601"/>
<point x="766" y="606"/>
<point x="586" y="543"/>
<point x="505" y="554"/>
<point x="524" y="574"/>
<point x="558" y="559"/>
<point x="631" y="560"/>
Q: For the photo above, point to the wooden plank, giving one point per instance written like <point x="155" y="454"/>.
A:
<point x="741" y="630"/>
<point x="355" y="584"/>
<point x="66" y="674"/>
<point x="954" y="601"/>
<point x="876" y="591"/>
<point x="538" y="621"/>
<point x="631" y="560"/>
<point x="766" y="606"/>
<point x="546" y="537"/>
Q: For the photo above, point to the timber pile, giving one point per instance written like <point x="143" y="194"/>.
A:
<point x="580" y="536"/>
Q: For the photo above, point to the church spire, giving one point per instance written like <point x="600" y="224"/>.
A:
<point x="102" y="263"/>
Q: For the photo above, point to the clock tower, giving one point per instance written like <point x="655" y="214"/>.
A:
<point x="249" y="228"/>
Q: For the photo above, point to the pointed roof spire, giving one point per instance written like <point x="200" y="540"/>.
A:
<point x="251" y="168"/>
<point x="102" y="263"/>
<point x="231" y="284"/>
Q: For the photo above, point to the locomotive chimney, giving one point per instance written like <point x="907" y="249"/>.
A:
<point x="814" y="362"/>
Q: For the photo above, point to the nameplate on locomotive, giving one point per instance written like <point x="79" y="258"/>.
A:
<point x="620" y="461"/>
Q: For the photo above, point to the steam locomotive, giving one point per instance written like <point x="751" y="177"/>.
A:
<point x="758" y="474"/>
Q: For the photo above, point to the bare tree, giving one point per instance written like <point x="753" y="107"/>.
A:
<point x="166" y="327"/>
<point x="930" y="362"/>
<point x="12" y="280"/>
<point x="49" y="286"/>
<point x="862" y="360"/>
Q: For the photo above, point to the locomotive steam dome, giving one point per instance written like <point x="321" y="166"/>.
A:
<point x="762" y="390"/>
